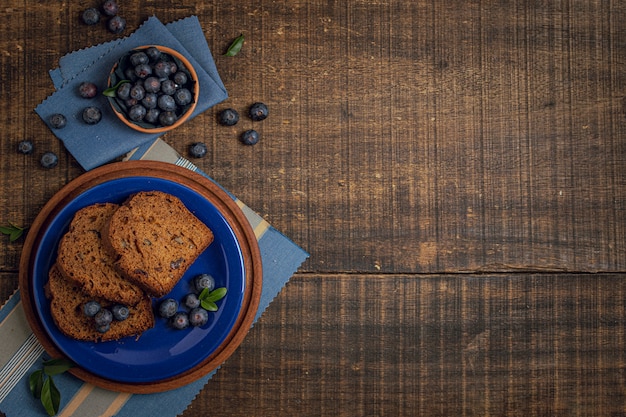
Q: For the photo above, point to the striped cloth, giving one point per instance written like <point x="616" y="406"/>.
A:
<point x="21" y="353"/>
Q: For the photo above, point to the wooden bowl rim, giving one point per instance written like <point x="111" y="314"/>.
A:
<point x="196" y="182"/>
<point x="185" y="116"/>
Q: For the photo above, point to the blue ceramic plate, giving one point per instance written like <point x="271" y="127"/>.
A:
<point x="161" y="352"/>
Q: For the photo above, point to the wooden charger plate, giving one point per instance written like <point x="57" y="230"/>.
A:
<point x="145" y="171"/>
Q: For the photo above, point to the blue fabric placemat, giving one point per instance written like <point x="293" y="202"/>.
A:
<point x="95" y="145"/>
<point x="20" y="352"/>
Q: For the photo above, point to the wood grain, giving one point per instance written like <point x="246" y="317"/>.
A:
<point x="455" y="169"/>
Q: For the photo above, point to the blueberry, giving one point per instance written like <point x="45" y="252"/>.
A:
<point x="25" y="147"/>
<point x="198" y="317"/>
<point x="152" y="116"/>
<point x="197" y="150"/>
<point x="57" y="121"/>
<point x="130" y="73"/>
<point x="180" y="78"/>
<point x="150" y="101"/>
<point x="258" y="112"/>
<point x="138" y="58"/>
<point x="92" y="115"/>
<point x="110" y="7"/>
<point x="162" y="69"/>
<point x="167" y="118"/>
<point x="116" y="24"/>
<point x="191" y="301"/>
<point x="91" y="16"/>
<point x="120" y="312"/>
<point x="168" y="307"/>
<point x="143" y="71"/>
<point x="249" y="137"/>
<point x="137" y="92"/>
<point x="168" y="87"/>
<point x="180" y="320"/>
<point x="49" y="160"/>
<point x="173" y="67"/>
<point x="91" y="308"/>
<point x="202" y="281"/>
<point x="87" y="90"/>
<point x="167" y="103"/>
<point x="137" y="113"/>
<point x="228" y="117"/>
<point x="103" y="317"/>
<point x="152" y="85"/>
<point x="153" y="53"/>
<point x="182" y="97"/>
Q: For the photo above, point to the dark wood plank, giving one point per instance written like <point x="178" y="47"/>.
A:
<point x="507" y="345"/>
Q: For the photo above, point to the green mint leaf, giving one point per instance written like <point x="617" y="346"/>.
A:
<point x="14" y="232"/>
<point x="208" y="305"/>
<point x="50" y="397"/>
<point x="110" y="92"/>
<point x="15" y="235"/>
<point x="56" y="366"/>
<point x="35" y="382"/>
<point x="217" y="294"/>
<point x="235" y="47"/>
<point x="203" y="294"/>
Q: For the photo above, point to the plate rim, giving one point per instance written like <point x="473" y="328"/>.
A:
<point x="203" y="186"/>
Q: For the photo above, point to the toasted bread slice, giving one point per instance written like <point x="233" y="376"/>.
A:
<point x="155" y="238"/>
<point x="66" y="308"/>
<point x="83" y="259"/>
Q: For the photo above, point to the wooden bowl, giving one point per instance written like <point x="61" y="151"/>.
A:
<point x="32" y="274"/>
<point x="119" y="107"/>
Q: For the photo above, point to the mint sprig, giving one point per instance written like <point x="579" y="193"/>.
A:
<point x="209" y="298"/>
<point x="235" y="47"/>
<point x="42" y="385"/>
<point x="13" y="231"/>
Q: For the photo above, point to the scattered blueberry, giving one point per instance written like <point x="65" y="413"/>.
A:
<point x="116" y="24"/>
<point x="87" y="90"/>
<point x="250" y="137"/>
<point x="197" y="150"/>
<point x="25" y="147"/>
<point x="202" y="281"/>
<point x="103" y="317"/>
<point x="137" y="113"/>
<point x="198" y="317"/>
<point x="120" y="312"/>
<point x="228" y="117"/>
<point x="168" y="307"/>
<point x="180" y="320"/>
<point x="91" y="308"/>
<point x="110" y="7"/>
<point x="57" y="121"/>
<point x="49" y="160"/>
<point x="91" y="16"/>
<point x="92" y="115"/>
<point x="258" y="111"/>
<point x="167" y="118"/>
<point x="191" y="301"/>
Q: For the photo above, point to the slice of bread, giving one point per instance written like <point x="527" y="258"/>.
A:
<point x="83" y="259"/>
<point x="155" y="238"/>
<point x="66" y="308"/>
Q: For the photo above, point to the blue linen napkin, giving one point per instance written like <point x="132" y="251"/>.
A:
<point x="20" y="352"/>
<point x="95" y="145"/>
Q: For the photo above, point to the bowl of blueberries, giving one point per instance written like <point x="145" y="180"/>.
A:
<point x="153" y="89"/>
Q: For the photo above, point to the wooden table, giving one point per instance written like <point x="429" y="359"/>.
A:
<point x="456" y="169"/>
